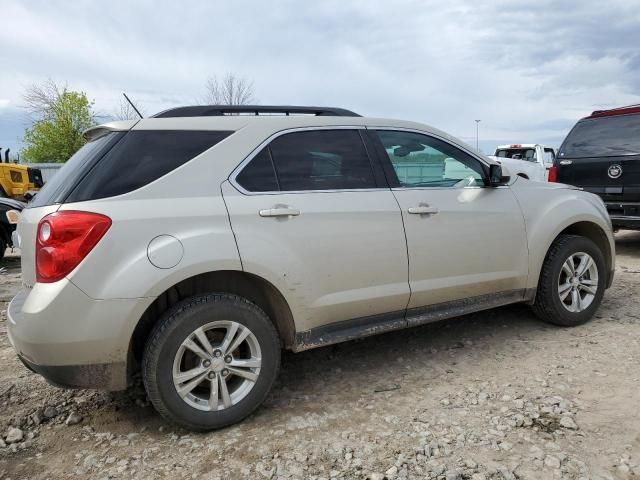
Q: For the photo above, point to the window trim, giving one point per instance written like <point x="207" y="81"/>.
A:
<point x="361" y="129"/>
<point x="394" y="183"/>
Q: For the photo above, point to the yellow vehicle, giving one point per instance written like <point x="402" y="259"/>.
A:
<point x="16" y="180"/>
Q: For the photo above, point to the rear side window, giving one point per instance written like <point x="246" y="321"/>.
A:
<point x="140" y="158"/>
<point x="259" y="175"/>
<point x="58" y="188"/>
<point x="603" y="137"/>
<point x="311" y="160"/>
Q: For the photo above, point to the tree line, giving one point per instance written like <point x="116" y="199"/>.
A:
<point x="60" y="115"/>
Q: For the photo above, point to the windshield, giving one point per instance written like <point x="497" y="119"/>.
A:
<point x="56" y="189"/>
<point x="528" y="154"/>
<point x="603" y="137"/>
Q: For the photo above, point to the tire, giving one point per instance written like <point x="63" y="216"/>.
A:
<point x="167" y="363"/>
<point x="556" y="276"/>
<point x="3" y="248"/>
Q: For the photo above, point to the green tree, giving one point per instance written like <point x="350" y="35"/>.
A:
<point x="61" y="115"/>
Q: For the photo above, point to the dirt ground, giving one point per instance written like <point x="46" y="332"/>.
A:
<point x="493" y="395"/>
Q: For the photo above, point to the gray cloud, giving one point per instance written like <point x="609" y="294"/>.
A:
<point x="528" y="69"/>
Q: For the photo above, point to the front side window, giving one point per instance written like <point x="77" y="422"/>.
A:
<point x="422" y="161"/>
<point x="549" y="155"/>
<point x="310" y="160"/>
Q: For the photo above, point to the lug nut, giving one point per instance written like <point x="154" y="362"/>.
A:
<point x="228" y="359"/>
<point x="225" y="372"/>
<point x="206" y="363"/>
<point x="217" y="353"/>
<point x="211" y="375"/>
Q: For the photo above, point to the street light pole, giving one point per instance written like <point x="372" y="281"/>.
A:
<point x="477" y="123"/>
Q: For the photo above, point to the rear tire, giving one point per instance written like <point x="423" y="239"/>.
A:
<point x="572" y="282"/>
<point x="210" y="361"/>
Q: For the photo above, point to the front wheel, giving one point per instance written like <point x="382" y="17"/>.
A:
<point x="210" y="361"/>
<point x="572" y="281"/>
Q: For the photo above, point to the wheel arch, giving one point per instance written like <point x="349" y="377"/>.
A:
<point x="252" y="287"/>
<point x="597" y="235"/>
<point x="585" y="228"/>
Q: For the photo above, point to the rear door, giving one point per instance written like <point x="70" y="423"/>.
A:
<point x="465" y="241"/>
<point x="311" y="216"/>
<point x="602" y="155"/>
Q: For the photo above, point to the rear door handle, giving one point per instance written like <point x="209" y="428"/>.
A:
<point x="280" y="212"/>
<point x="423" y="210"/>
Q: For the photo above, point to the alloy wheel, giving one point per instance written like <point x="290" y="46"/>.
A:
<point x="217" y="365"/>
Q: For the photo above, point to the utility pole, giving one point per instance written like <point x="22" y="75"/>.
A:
<point x="477" y="123"/>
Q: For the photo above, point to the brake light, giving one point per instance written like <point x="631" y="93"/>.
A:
<point x="64" y="239"/>
<point x="553" y="174"/>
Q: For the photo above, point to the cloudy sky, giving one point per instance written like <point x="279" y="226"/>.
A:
<point x="527" y="68"/>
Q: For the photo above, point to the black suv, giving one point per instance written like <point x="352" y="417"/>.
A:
<point x="602" y="155"/>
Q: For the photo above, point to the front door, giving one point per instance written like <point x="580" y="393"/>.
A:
<point x="466" y="241"/>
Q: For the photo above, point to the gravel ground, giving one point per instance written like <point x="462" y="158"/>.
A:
<point x="493" y="395"/>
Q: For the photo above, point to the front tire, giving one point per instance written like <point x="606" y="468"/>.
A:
<point x="572" y="282"/>
<point x="210" y="361"/>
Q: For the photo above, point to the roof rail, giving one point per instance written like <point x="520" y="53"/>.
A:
<point x="219" y="110"/>
<point x="615" y="111"/>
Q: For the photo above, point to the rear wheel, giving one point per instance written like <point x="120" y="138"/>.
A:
<point x="572" y="281"/>
<point x="211" y="361"/>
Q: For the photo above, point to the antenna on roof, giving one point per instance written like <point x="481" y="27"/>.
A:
<point x="132" y="105"/>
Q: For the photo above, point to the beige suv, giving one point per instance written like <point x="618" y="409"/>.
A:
<point x="196" y="244"/>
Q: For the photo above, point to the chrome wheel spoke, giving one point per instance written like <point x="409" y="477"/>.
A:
<point x="193" y="346"/>
<point x="248" y="363"/>
<point x="224" y="390"/>
<point x="588" y="288"/>
<point x="248" y="374"/>
<point x="228" y="338"/>
<point x="189" y="386"/>
<point x="585" y="264"/>
<point x="564" y="290"/>
<point x="568" y="267"/>
<point x="575" y="300"/>
<point x="204" y="341"/>
<point x="213" y="394"/>
<point x="182" y="377"/>
<point x="240" y="337"/>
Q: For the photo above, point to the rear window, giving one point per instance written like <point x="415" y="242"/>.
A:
<point x="140" y="158"/>
<point x="603" y="137"/>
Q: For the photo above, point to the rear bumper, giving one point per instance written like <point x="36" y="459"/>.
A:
<point x="106" y="376"/>
<point x="630" y="223"/>
<point x="71" y="339"/>
<point x="624" y="215"/>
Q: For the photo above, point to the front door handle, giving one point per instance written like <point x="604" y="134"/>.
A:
<point x="280" y="212"/>
<point x="423" y="209"/>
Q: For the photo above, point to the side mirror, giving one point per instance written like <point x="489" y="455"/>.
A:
<point x="496" y="176"/>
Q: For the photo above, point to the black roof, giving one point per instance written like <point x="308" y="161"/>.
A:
<point x="219" y="110"/>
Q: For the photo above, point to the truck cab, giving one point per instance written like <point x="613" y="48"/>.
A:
<point x="528" y="160"/>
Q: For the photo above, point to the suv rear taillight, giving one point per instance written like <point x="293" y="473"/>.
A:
<point x="553" y="174"/>
<point x="64" y="239"/>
